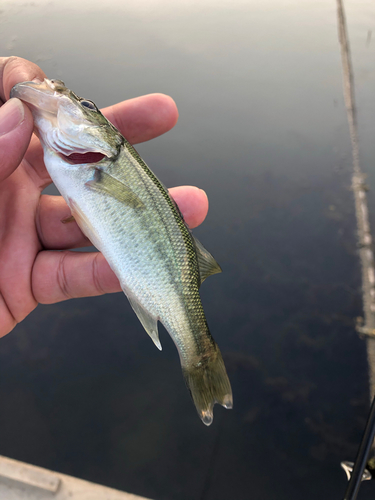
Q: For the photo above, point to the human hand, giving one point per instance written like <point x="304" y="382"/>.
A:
<point x="35" y="263"/>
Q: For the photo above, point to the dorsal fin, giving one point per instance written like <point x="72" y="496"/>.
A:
<point x="207" y="264"/>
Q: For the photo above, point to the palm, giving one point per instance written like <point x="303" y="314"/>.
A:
<point x="35" y="265"/>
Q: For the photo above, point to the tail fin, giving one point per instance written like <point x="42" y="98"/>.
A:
<point x="208" y="384"/>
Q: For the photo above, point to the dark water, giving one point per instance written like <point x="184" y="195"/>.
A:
<point x="263" y="129"/>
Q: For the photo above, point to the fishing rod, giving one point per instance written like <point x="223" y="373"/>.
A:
<point x="359" y="472"/>
<point x="366" y="253"/>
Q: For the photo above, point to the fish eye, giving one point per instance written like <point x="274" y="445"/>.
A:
<point x="88" y="104"/>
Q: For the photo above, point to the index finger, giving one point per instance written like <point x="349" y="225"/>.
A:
<point x="143" y="118"/>
<point x="14" y="70"/>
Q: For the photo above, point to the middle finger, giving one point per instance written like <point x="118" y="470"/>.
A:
<point x="54" y="234"/>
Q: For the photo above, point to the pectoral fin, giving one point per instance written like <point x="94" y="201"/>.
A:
<point x="207" y="264"/>
<point x="105" y="183"/>
<point x="149" y="322"/>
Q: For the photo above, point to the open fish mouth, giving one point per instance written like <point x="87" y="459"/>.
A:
<point x="82" y="158"/>
<point x="63" y="122"/>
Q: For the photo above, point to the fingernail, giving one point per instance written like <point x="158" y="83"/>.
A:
<point x="11" y="115"/>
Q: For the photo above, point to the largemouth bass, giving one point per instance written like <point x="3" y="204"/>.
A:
<point x="127" y="213"/>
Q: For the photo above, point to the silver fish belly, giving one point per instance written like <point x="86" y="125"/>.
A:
<point x="127" y="213"/>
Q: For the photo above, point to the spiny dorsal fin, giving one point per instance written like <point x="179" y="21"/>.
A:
<point x="105" y="183"/>
<point x="149" y="322"/>
<point x="207" y="264"/>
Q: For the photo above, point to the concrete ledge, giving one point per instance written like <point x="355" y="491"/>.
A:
<point x="21" y="481"/>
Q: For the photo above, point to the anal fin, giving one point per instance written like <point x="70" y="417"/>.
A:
<point x="149" y="322"/>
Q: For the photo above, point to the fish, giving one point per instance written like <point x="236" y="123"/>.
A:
<point x="128" y="215"/>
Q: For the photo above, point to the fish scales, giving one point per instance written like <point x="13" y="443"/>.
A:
<point x="178" y="256"/>
<point x="127" y="213"/>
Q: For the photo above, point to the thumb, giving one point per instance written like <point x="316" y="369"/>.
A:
<point x="16" y="127"/>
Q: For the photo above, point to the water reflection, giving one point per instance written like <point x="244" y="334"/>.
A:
<point x="263" y="129"/>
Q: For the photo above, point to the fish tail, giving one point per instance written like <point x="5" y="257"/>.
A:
<point x="208" y="383"/>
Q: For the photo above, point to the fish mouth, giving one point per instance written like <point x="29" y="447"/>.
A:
<point x="40" y="95"/>
<point x="83" y="158"/>
<point x="59" y="122"/>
